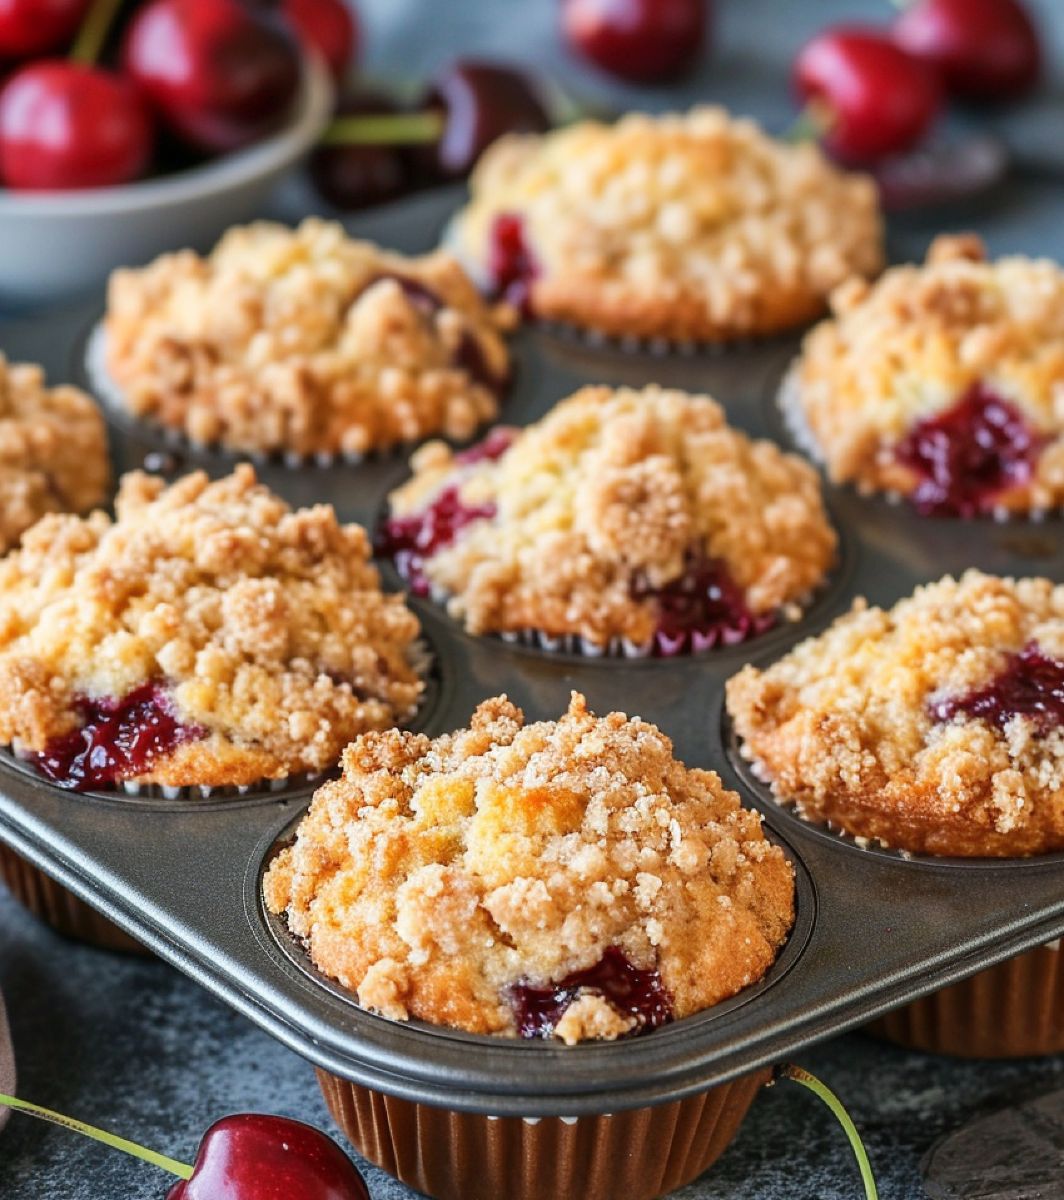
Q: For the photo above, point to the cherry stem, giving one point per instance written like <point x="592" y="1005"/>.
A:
<point x="391" y="129"/>
<point x="94" y="30"/>
<point x="810" y="1081"/>
<point x="180" y="1169"/>
<point x="812" y="123"/>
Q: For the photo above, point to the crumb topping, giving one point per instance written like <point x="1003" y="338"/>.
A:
<point x="912" y="345"/>
<point x="53" y="450"/>
<point x="694" y="226"/>
<point x="875" y="725"/>
<point x="435" y="876"/>
<point x="605" y="500"/>
<point x="305" y="341"/>
<point x="266" y="626"/>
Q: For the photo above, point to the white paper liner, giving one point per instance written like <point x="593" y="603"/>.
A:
<point x="109" y="392"/>
<point x="788" y="400"/>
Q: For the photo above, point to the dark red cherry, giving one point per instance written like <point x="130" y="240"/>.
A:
<point x="701" y="609"/>
<point x="969" y="454"/>
<point x="512" y="267"/>
<point x="480" y="102"/>
<point x="252" y="1156"/>
<point x="408" y="541"/>
<point x="359" y="175"/>
<point x="220" y="74"/>
<point x="644" y="41"/>
<point x="874" y="99"/>
<point x="64" y="126"/>
<point x="1030" y="686"/>
<point x="633" y="991"/>
<point x="327" y="26"/>
<point x="118" y="739"/>
<point x="30" y="27"/>
<point x="982" y="49"/>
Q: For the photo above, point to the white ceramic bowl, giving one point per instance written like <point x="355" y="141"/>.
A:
<point x="54" y="245"/>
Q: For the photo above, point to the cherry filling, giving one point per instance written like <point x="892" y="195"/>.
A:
<point x="631" y="990"/>
<point x="409" y="541"/>
<point x="118" y="739"/>
<point x="489" y="449"/>
<point x="511" y="264"/>
<point x="705" y="607"/>
<point x="968" y="454"/>
<point x="1031" y="686"/>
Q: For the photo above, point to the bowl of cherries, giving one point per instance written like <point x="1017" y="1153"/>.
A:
<point x="129" y="127"/>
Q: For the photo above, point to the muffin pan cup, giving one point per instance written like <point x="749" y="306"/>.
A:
<point x="874" y="930"/>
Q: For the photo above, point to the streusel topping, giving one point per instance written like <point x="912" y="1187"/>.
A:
<point x="306" y="342"/>
<point x="935" y="726"/>
<point x="263" y="629"/>
<point x="919" y="356"/>
<point x="693" y="226"/>
<point x="604" y="518"/>
<point x="53" y="450"/>
<point x="455" y="880"/>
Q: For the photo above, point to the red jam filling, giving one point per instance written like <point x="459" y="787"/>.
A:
<point x="511" y="265"/>
<point x="409" y="541"/>
<point x="489" y="449"/>
<point x="629" y="989"/>
<point x="703" y="608"/>
<point x="118" y="739"/>
<point x="969" y="454"/>
<point x="1031" y="686"/>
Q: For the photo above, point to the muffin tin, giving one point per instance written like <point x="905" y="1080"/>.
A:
<point x="874" y="929"/>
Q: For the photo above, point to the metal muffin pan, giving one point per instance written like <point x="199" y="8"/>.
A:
<point x="874" y="929"/>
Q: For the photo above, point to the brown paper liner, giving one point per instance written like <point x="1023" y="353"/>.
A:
<point x="448" y="1155"/>
<point x="1013" y="1010"/>
<point x="61" y="909"/>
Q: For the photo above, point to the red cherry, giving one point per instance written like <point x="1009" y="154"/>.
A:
<point x="481" y="101"/>
<point x="220" y="73"/>
<point x="327" y="26"/>
<point x="983" y="49"/>
<point x="879" y="100"/>
<point x="359" y="175"/>
<point x="37" y="26"/>
<point x="251" y="1156"/>
<point x="645" y="41"/>
<point x="64" y="125"/>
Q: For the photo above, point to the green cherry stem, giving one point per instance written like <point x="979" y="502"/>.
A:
<point x="390" y="129"/>
<point x="802" y="1076"/>
<point x="812" y="123"/>
<point x="93" y="31"/>
<point x="180" y="1169"/>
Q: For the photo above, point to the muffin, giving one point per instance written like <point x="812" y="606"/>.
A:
<point x="304" y="343"/>
<point x="936" y="727"/>
<point x="566" y="880"/>
<point x="207" y="637"/>
<point x="626" y="521"/>
<point x="942" y="383"/>
<point x="693" y="227"/>
<point x="53" y="451"/>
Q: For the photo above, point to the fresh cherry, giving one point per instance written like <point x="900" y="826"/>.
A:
<point x="31" y="27"/>
<point x="480" y="102"/>
<point x="645" y="41"/>
<point x="66" y="125"/>
<point x="873" y="98"/>
<point x="220" y="73"/>
<point x="251" y="1156"/>
<point x="353" y="175"/>
<point x="982" y="49"/>
<point x="327" y="26"/>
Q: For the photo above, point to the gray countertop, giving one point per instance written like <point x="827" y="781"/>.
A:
<point x="131" y="1045"/>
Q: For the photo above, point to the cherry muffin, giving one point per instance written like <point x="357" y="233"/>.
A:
<point x="53" y="451"/>
<point x="693" y="227"/>
<point x="631" y="521"/>
<point x="941" y="383"/>
<point x="566" y="880"/>
<point x="302" y="342"/>
<point x="936" y="727"/>
<point x="208" y="637"/>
